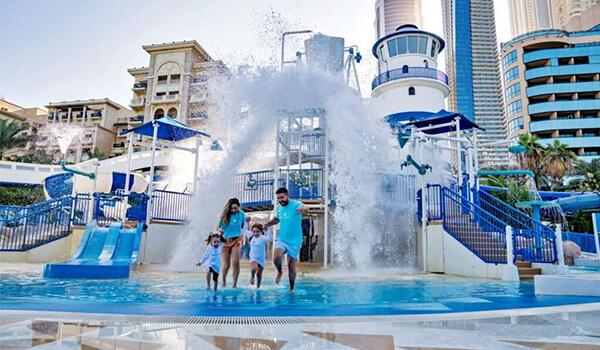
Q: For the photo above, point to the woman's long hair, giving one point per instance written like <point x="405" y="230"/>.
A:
<point x="226" y="212"/>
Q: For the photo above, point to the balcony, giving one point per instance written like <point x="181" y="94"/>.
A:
<point x="571" y="69"/>
<point x="165" y="98"/>
<point x="118" y="145"/>
<point x="140" y="86"/>
<point x="139" y="102"/>
<point x="203" y="79"/>
<point x="574" y="142"/>
<point x="198" y="115"/>
<point x="87" y="140"/>
<point x="564" y="124"/>
<point x="563" y="88"/>
<point x="96" y="115"/>
<point x="136" y="119"/>
<point x="410" y="73"/>
<point x="564" y="106"/>
<point x="198" y="98"/>
<point x="121" y="122"/>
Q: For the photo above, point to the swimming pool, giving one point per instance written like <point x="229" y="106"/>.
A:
<point x="317" y="294"/>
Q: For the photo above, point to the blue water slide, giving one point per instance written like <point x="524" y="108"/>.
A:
<point x="103" y="252"/>
<point x="568" y="201"/>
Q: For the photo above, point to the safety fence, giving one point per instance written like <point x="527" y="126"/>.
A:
<point x="170" y="206"/>
<point x="585" y="241"/>
<point x="114" y="207"/>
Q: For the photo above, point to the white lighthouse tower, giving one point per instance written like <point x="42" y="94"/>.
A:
<point x="408" y="79"/>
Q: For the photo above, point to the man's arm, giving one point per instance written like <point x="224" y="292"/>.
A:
<point x="274" y="221"/>
<point x="303" y="208"/>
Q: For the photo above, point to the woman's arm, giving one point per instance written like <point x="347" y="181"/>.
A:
<point x="246" y="231"/>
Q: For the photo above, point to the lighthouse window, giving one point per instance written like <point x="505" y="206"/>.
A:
<point x="422" y="45"/>
<point x="413" y="43"/>
<point x="433" y="48"/>
<point x="411" y="91"/>
<point x="401" y="43"/>
<point x="392" y="48"/>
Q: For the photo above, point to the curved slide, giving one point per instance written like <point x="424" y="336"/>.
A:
<point x="103" y="252"/>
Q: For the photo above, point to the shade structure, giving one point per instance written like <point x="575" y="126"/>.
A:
<point x="168" y="129"/>
<point x="422" y="119"/>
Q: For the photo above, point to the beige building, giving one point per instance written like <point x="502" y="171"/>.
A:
<point x="532" y="15"/>
<point x="587" y="20"/>
<point x="173" y="84"/>
<point x="32" y="118"/>
<point x="97" y="120"/>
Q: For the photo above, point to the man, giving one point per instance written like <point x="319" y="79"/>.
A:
<point x="289" y="239"/>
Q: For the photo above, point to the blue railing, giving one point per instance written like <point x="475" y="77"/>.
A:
<point x="170" y="206"/>
<point x="479" y="231"/>
<point x="585" y="241"/>
<point x="411" y="72"/>
<point x="112" y="207"/>
<point x="434" y="202"/>
<point x="303" y="183"/>
<point x="533" y="240"/>
<point x="254" y="188"/>
<point x="35" y="225"/>
<point x="81" y="208"/>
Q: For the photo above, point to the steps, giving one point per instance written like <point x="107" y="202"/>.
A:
<point x="525" y="269"/>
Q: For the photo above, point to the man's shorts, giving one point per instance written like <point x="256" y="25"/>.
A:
<point x="291" y="250"/>
<point x="231" y="243"/>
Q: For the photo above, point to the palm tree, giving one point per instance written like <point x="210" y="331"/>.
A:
<point x="11" y="136"/>
<point x="584" y="168"/>
<point x="97" y="154"/>
<point x="557" y="161"/>
<point x="591" y="175"/>
<point x="531" y="159"/>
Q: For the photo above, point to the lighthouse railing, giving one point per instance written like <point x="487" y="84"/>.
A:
<point x="409" y="72"/>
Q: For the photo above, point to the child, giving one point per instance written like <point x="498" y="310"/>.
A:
<point x="258" y="241"/>
<point x="212" y="258"/>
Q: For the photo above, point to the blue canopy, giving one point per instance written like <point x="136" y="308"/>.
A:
<point x="422" y="119"/>
<point x="168" y="129"/>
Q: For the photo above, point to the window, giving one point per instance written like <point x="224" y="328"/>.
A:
<point x="513" y="91"/>
<point x="510" y="58"/>
<point x="511" y="75"/>
<point x="172" y="112"/>
<point x="422" y="45"/>
<point x="433" y="49"/>
<point x="413" y="44"/>
<point x="392" y="48"/>
<point x="162" y="79"/>
<point x="159" y="113"/>
<point x="411" y="91"/>
<point x="405" y="69"/>
<point x="402" y="45"/>
<point x="515" y="125"/>
<point x="514" y="108"/>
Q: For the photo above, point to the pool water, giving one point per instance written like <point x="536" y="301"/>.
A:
<point x="316" y="295"/>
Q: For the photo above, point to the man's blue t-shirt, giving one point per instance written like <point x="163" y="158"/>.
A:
<point x="234" y="229"/>
<point x="290" y="223"/>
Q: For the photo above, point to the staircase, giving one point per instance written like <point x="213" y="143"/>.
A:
<point x="525" y="269"/>
<point x="488" y="245"/>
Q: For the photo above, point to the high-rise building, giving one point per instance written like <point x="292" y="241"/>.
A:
<point x="552" y="86"/>
<point x="391" y="14"/>
<point x="529" y="15"/>
<point x="31" y="118"/>
<point x="473" y="69"/>
<point x="532" y="15"/>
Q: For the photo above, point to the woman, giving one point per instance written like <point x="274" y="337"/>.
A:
<point x="230" y="225"/>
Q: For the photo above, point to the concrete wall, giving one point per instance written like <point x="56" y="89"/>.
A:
<point x="158" y="242"/>
<point x="448" y="255"/>
<point x="53" y="251"/>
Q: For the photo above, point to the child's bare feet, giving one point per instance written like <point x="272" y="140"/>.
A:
<point x="278" y="278"/>
<point x="208" y="287"/>
<point x="291" y="290"/>
<point x="252" y="280"/>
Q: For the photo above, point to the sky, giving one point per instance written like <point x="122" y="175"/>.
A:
<point x="64" y="50"/>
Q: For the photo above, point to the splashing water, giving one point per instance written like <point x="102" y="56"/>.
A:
<point x="64" y="134"/>
<point x="362" y="223"/>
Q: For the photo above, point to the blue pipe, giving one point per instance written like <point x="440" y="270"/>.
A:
<point x="75" y="171"/>
<point x="505" y="173"/>
<point x="421" y="168"/>
<point x="568" y="201"/>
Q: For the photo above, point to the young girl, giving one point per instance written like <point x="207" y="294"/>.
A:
<point x="258" y="241"/>
<point x="212" y="258"/>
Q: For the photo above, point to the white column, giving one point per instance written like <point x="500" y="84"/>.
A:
<point x="424" y="222"/>
<point x="69" y="116"/>
<point x="511" y="273"/>
<point x="458" y="146"/>
<point x="275" y="178"/>
<point x="561" y="268"/>
<point x="326" y="195"/>
<point x="83" y="114"/>
<point x="129" y="154"/>
<point x="196" y="163"/>
<point x="151" y="183"/>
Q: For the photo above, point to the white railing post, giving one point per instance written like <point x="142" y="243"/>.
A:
<point x="511" y="273"/>
<point x="562" y="269"/>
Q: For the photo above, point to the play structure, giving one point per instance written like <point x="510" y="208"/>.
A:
<point x="103" y="252"/>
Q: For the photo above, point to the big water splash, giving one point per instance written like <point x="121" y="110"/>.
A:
<point x="251" y="103"/>
<point x="64" y="134"/>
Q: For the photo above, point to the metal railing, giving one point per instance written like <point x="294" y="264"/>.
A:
<point x="34" y="225"/>
<point x="112" y="207"/>
<point x="411" y="72"/>
<point x="434" y="202"/>
<point x="308" y="145"/>
<point x="303" y="183"/>
<point x="81" y="208"/>
<point x="533" y="240"/>
<point x="479" y="231"/>
<point x="585" y="241"/>
<point x="254" y="188"/>
<point x="170" y="206"/>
